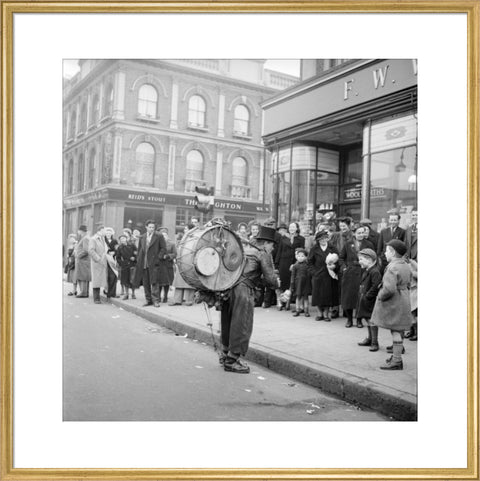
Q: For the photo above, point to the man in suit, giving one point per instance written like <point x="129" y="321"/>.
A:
<point x="386" y="235"/>
<point x="411" y="237"/>
<point x="152" y="249"/>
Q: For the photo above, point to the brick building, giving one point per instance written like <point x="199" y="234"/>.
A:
<point x="139" y="135"/>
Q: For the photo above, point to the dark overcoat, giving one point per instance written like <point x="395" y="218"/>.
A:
<point x="154" y="255"/>
<point x="351" y="272"/>
<point x="411" y="242"/>
<point x="82" y="260"/>
<point x="169" y="261"/>
<point x="385" y="237"/>
<point x="301" y="283"/>
<point x="324" y="287"/>
<point x="285" y="257"/>
<point x="373" y="237"/>
<point x="126" y="259"/>
<point x="367" y="292"/>
<point x="392" y="308"/>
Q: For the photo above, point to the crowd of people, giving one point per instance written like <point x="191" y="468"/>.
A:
<point x="371" y="276"/>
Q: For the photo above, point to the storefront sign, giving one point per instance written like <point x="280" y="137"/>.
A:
<point x="83" y="199"/>
<point x="354" y="194"/>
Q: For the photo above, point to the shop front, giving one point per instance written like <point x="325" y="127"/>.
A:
<point x="124" y="207"/>
<point x="345" y="143"/>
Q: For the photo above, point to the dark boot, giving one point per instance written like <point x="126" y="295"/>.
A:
<point x="296" y="313"/>
<point x="368" y="340"/>
<point x="96" y="295"/>
<point x="413" y="337"/>
<point x="374" y="345"/>
<point x="359" y="323"/>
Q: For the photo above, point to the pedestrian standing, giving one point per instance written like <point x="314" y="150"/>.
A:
<point x="370" y="233"/>
<point x="70" y="264"/>
<point x="412" y="335"/>
<point x="112" y="269"/>
<point x="351" y="273"/>
<point x="237" y="311"/>
<point x="82" y="262"/>
<point x="386" y="235"/>
<point x="169" y="263"/>
<point x="324" y="280"/>
<point x="411" y="237"/>
<point x="152" y="249"/>
<point x="392" y="308"/>
<point x="126" y="258"/>
<point x="183" y="290"/>
<point x="367" y="294"/>
<point x="301" y="284"/>
<point x="98" y="256"/>
<point x="269" y="294"/>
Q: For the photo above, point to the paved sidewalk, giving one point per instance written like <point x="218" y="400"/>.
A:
<point x="324" y="355"/>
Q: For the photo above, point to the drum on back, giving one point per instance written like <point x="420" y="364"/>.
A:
<point x="210" y="258"/>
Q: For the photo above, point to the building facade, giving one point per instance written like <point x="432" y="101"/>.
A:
<point x="139" y="135"/>
<point x="344" y="140"/>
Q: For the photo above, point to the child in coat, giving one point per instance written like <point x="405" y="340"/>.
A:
<point x="392" y="308"/>
<point x="369" y="286"/>
<point x="300" y="283"/>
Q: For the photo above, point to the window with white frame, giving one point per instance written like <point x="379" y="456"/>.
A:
<point x="241" y="122"/>
<point x="196" y="111"/>
<point x="239" y="178"/>
<point x="145" y="163"/>
<point x="194" y="170"/>
<point x="147" y="101"/>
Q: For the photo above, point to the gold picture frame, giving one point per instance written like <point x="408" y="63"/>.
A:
<point x="469" y="7"/>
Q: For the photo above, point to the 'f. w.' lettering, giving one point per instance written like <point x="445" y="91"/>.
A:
<point x="379" y="76"/>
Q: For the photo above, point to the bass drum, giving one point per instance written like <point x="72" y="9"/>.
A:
<point x="210" y="258"/>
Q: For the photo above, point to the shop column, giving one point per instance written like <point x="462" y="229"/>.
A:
<point x="171" y="165"/>
<point x="117" y="156"/>
<point x="174" y="107"/>
<point x="119" y="96"/>
<point x="218" y="173"/>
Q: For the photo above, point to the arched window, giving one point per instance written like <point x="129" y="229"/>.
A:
<point x="81" y="173"/>
<point x="73" y="124"/>
<point x="147" y="101"/>
<point x="83" y="118"/>
<point x="196" y="111"/>
<point x="109" y="100"/>
<point x="91" y="169"/>
<point x="195" y="165"/>
<point x="70" y="177"/>
<point x="239" y="178"/>
<point x="95" y="110"/>
<point x="241" y="120"/>
<point x="145" y="160"/>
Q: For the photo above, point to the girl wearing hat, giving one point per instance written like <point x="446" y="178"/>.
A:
<point x="352" y="273"/>
<point x="392" y="309"/>
<point x="324" y="285"/>
<point x="369" y="285"/>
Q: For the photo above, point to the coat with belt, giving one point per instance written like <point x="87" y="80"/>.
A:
<point x="392" y="308"/>
<point x="367" y="292"/>
<point x="154" y="255"/>
<point x="98" y="256"/>
<point x="82" y="260"/>
<point x="385" y="237"/>
<point x="351" y="272"/>
<point x="285" y="257"/>
<point x="324" y="287"/>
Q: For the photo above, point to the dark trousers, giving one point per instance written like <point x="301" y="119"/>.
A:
<point x="237" y="320"/>
<point x="152" y="291"/>
<point x="111" y="282"/>
<point x="96" y="293"/>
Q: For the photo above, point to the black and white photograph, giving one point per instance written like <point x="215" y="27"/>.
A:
<point x="240" y="239"/>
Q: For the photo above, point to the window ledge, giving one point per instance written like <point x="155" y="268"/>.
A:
<point x="146" y="118"/>
<point x="70" y="140"/>
<point x="242" y="135"/>
<point x="197" y="127"/>
<point x="104" y="119"/>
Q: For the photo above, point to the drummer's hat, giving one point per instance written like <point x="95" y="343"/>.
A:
<point x="266" y="234"/>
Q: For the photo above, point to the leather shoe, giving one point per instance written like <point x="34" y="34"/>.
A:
<point x="319" y="318"/>
<point x="374" y="347"/>
<point x="359" y="323"/>
<point x="349" y="323"/>
<point x="392" y="366"/>
<point x="79" y="296"/>
<point x="327" y="319"/>
<point x="238" y="366"/>
<point x="175" y="304"/>
<point x="365" y="342"/>
<point x="147" y="304"/>
<point x="157" y="304"/>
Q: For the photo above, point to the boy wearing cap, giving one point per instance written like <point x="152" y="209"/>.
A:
<point x="369" y="285"/>
<point x="392" y="308"/>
